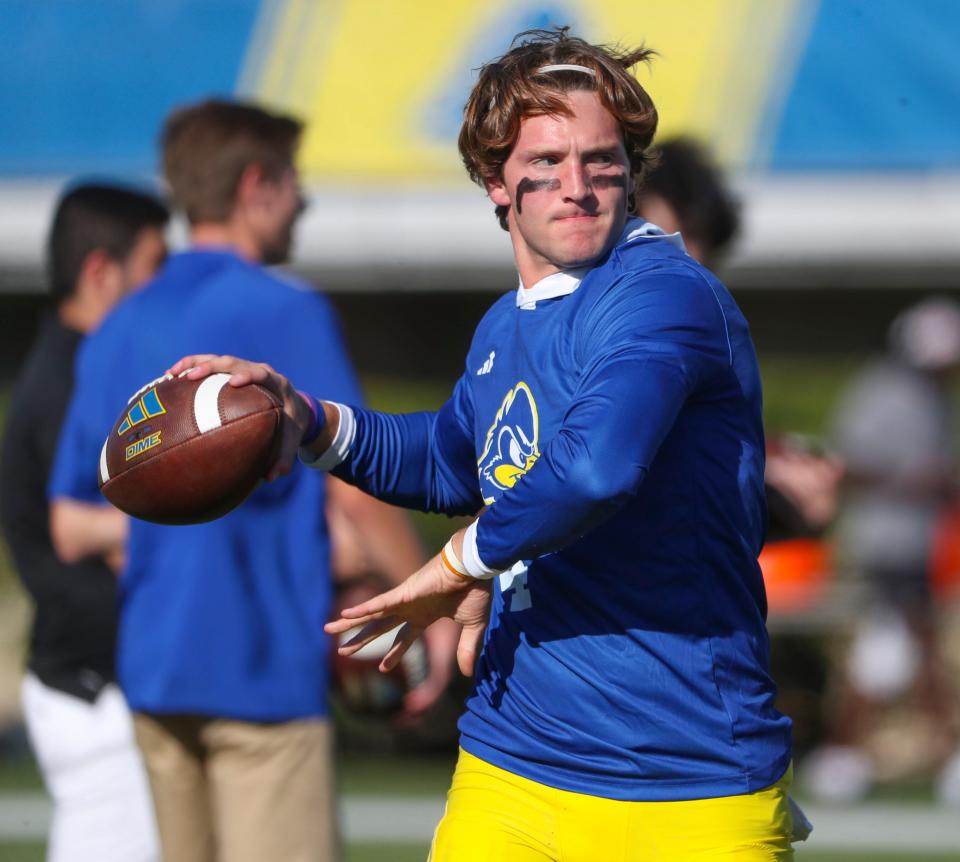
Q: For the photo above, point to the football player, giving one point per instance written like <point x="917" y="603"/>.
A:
<point x="608" y="425"/>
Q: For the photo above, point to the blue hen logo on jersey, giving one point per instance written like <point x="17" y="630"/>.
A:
<point x="512" y="443"/>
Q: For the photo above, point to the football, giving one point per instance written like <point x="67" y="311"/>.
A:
<point x="188" y="451"/>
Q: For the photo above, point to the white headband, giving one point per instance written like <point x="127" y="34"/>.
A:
<point x="566" y="67"/>
<point x="559" y="67"/>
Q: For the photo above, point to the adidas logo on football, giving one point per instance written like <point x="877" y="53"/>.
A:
<point x="487" y="366"/>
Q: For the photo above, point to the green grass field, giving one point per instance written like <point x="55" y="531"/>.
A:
<point x="34" y="852"/>
<point x="409" y="853"/>
<point x="412" y="777"/>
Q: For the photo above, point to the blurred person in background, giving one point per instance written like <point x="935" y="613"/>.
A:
<point x="687" y="193"/>
<point x="104" y="242"/>
<point x="894" y="427"/>
<point x="221" y="649"/>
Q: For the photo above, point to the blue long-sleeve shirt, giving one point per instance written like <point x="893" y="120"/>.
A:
<point x="224" y="618"/>
<point x="611" y="424"/>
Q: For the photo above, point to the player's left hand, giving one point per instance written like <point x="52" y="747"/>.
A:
<point x="427" y="595"/>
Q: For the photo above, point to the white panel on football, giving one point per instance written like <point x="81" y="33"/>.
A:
<point x="206" y="408"/>
<point x="377" y="648"/>
<point x="104" y="472"/>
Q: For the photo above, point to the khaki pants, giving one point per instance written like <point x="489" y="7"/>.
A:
<point x="233" y="791"/>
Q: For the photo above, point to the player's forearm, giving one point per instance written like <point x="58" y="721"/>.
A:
<point x="390" y="458"/>
<point x="397" y="458"/>
<point x="79" y="530"/>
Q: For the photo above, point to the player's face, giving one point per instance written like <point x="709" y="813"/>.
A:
<point x="566" y="182"/>
<point x="281" y="202"/>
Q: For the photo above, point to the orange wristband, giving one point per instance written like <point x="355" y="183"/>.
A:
<point x="452" y="563"/>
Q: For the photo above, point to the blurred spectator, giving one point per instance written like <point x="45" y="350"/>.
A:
<point x="894" y="428"/>
<point x="221" y="652"/>
<point x="104" y="242"/>
<point x="687" y="193"/>
<point x="803" y="485"/>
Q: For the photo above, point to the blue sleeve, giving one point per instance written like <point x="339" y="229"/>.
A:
<point x="646" y="348"/>
<point x="423" y="461"/>
<point x="74" y="471"/>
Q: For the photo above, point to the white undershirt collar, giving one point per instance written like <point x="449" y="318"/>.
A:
<point x="558" y="284"/>
<point x="568" y="280"/>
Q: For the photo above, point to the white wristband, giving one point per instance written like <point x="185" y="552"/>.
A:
<point x="472" y="563"/>
<point x="339" y="447"/>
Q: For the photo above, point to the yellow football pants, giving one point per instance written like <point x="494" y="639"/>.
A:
<point x="495" y="816"/>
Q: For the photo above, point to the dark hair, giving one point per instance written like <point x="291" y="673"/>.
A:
<point x="207" y="147"/>
<point x="693" y="187"/>
<point x="94" y="216"/>
<point x="511" y="88"/>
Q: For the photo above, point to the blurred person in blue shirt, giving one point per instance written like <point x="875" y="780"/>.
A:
<point x="221" y="652"/>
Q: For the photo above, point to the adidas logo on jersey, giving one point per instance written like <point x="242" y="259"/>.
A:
<point x="487" y="366"/>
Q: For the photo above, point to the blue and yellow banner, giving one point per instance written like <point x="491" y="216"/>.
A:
<point x="769" y="85"/>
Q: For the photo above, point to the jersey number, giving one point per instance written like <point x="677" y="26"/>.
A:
<point x="515" y="580"/>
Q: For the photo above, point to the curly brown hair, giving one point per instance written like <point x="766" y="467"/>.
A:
<point x="511" y="88"/>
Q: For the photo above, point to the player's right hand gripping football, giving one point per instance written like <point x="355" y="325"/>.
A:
<point x="297" y="415"/>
